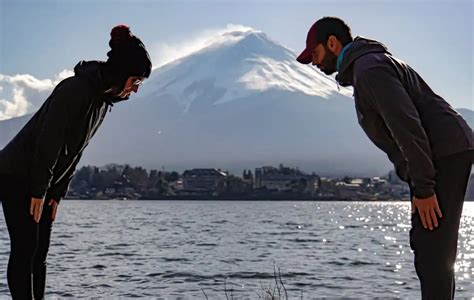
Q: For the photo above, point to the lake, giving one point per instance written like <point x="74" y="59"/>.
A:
<point x="194" y="249"/>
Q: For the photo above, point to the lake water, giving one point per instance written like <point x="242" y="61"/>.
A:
<point x="189" y="249"/>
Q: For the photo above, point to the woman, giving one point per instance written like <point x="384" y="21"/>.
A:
<point x="38" y="164"/>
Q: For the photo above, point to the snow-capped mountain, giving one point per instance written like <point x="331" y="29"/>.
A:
<point x="240" y="102"/>
<point x="238" y="64"/>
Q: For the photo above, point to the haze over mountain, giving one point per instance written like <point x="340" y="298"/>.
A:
<point x="240" y="102"/>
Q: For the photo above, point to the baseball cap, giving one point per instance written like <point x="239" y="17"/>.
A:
<point x="306" y="56"/>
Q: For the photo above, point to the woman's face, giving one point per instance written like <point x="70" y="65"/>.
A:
<point x="131" y="85"/>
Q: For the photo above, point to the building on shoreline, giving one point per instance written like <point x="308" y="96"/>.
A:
<point x="268" y="183"/>
<point x="204" y="180"/>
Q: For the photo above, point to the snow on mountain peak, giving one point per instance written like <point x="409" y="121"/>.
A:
<point x="236" y="64"/>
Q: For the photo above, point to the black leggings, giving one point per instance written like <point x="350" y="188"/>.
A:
<point x="435" y="251"/>
<point x="29" y="241"/>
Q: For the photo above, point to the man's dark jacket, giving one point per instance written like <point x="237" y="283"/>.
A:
<point x="401" y="114"/>
<point x="44" y="154"/>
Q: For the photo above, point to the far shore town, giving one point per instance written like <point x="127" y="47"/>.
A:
<point x="266" y="183"/>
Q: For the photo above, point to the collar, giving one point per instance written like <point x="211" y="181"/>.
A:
<point x="341" y="56"/>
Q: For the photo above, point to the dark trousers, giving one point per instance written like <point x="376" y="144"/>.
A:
<point x="435" y="251"/>
<point x="29" y="241"/>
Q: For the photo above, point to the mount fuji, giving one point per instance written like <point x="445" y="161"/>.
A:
<point x="240" y="102"/>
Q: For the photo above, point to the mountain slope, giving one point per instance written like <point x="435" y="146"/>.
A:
<point x="241" y="102"/>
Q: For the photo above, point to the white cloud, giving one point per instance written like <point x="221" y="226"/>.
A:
<point x="16" y="107"/>
<point x="24" y="93"/>
<point x="163" y="53"/>
<point x="63" y="75"/>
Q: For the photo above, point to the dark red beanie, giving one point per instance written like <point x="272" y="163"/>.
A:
<point x="128" y="55"/>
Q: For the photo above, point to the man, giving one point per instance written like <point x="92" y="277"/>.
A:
<point x="429" y="143"/>
<point x="38" y="164"/>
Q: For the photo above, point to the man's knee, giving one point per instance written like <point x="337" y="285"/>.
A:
<point x="435" y="252"/>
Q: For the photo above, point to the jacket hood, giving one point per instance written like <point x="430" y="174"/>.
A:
<point x="101" y="78"/>
<point x="361" y="46"/>
<point x="94" y="72"/>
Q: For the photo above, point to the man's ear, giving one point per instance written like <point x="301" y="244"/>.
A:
<point x="334" y="44"/>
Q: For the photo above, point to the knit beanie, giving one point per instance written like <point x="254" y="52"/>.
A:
<point x="128" y="55"/>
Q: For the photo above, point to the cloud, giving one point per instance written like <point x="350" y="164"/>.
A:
<point x="163" y="53"/>
<point x="23" y="93"/>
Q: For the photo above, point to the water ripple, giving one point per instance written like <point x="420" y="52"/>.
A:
<point x="175" y="249"/>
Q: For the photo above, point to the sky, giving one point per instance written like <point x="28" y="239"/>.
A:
<point x="41" y="41"/>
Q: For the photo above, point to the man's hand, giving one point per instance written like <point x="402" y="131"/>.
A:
<point x="55" y="205"/>
<point x="427" y="208"/>
<point x="36" y="208"/>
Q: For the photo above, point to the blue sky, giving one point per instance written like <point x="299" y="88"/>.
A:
<point x="42" y="38"/>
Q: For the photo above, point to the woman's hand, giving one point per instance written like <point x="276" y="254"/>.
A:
<point x="36" y="208"/>
<point x="55" y="205"/>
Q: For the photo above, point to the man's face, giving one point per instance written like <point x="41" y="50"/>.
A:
<point x="131" y="85"/>
<point x="324" y="59"/>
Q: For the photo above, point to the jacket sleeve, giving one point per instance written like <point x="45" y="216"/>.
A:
<point x="376" y="130"/>
<point x="51" y="136"/>
<point x="59" y="190"/>
<point x="382" y="87"/>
